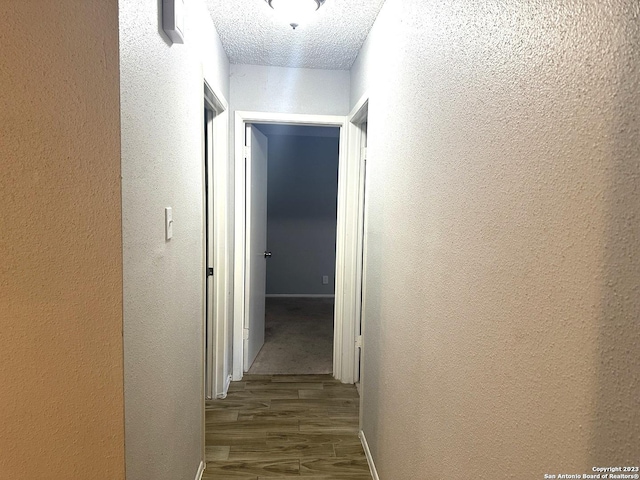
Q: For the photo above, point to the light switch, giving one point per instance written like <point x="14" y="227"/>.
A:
<point x="168" y="223"/>
<point x="325" y="279"/>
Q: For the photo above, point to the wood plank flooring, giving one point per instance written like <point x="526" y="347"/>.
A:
<point x="276" y="427"/>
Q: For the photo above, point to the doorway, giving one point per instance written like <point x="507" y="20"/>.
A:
<point x="248" y="254"/>
<point x="300" y="203"/>
<point x="358" y="133"/>
<point x="358" y="154"/>
<point x="209" y="253"/>
<point x="215" y="266"/>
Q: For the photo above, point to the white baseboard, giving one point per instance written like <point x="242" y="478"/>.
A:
<point x="201" y="470"/>
<point x="300" y="295"/>
<point x="367" y="453"/>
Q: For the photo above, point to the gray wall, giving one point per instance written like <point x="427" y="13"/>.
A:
<point x="289" y="90"/>
<point x="161" y="112"/>
<point x="301" y="224"/>
<point x="502" y="286"/>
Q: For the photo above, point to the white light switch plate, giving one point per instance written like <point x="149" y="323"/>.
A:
<point x="168" y="223"/>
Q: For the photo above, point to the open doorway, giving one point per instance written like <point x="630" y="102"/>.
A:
<point x="251" y="244"/>
<point x="358" y="138"/>
<point x="209" y="253"/>
<point x="300" y="261"/>
<point x="215" y="264"/>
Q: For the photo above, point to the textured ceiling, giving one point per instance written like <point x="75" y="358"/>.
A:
<point x="253" y="34"/>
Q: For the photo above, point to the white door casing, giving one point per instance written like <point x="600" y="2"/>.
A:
<point x="256" y="235"/>
<point x="215" y="304"/>
<point x="210" y="340"/>
<point x="360" y="270"/>
<point x="349" y="284"/>
<point x="343" y="366"/>
<point x="217" y="318"/>
<point x="358" y="154"/>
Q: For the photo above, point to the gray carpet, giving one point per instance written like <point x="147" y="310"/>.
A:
<point x="298" y="337"/>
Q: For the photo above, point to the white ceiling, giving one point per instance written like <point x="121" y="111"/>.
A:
<point x="252" y="34"/>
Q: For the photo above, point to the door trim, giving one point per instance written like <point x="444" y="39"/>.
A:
<point x="209" y="300"/>
<point x="352" y="241"/>
<point x="214" y="101"/>
<point x="341" y="359"/>
<point x="359" y="115"/>
<point x="357" y="142"/>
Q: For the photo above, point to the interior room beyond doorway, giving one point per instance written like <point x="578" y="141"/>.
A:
<point x="302" y="188"/>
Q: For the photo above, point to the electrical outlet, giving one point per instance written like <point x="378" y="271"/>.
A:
<point x="325" y="279"/>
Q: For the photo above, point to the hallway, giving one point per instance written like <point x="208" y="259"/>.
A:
<point x="285" y="426"/>
<point x="497" y="282"/>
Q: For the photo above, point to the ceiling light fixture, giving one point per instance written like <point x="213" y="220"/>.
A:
<point x="295" y="12"/>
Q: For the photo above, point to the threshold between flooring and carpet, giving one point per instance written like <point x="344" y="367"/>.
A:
<point x="298" y="337"/>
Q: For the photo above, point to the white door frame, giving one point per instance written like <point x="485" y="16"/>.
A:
<point x="343" y="343"/>
<point x="219" y="129"/>
<point x="256" y="261"/>
<point x="350" y="280"/>
<point x="357" y="144"/>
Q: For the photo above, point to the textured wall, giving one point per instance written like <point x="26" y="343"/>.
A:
<point x="503" y="293"/>
<point x="162" y="111"/>
<point x="302" y="195"/>
<point x="61" y="399"/>
<point x="289" y="90"/>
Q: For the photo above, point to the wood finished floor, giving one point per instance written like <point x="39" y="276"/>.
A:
<point x="273" y="427"/>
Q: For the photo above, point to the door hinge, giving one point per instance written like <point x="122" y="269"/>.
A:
<point x="364" y="153"/>
<point x="245" y="334"/>
<point x="358" y="341"/>
<point x="209" y="271"/>
<point x="247" y="152"/>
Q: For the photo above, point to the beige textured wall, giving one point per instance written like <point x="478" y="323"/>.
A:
<point x="61" y="373"/>
<point x="503" y="271"/>
<point x="162" y="166"/>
